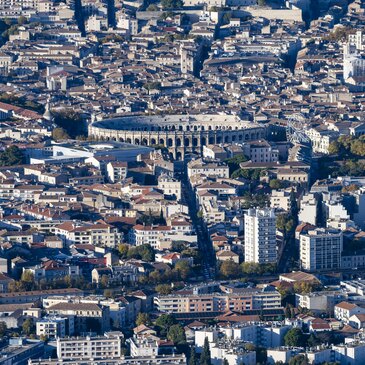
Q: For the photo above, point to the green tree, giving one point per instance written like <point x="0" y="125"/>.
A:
<point x="229" y="270"/>
<point x="163" y="289"/>
<point x="12" y="156"/>
<point x="176" y="334"/>
<point x="295" y="338"/>
<point x="108" y="293"/>
<point x="43" y="338"/>
<point x="104" y="281"/>
<point x="171" y="4"/>
<point x="3" y="329"/>
<point x="178" y="246"/>
<point x="71" y="121"/>
<point x="28" y="327"/>
<point x="250" y="268"/>
<point x="193" y="360"/>
<point x="299" y="360"/>
<point x="59" y="134"/>
<point x="226" y="18"/>
<point x="147" y="253"/>
<point x="22" y="20"/>
<point x="143" y="318"/>
<point x="123" y="250"/>
<point x="27" y="280"/>
<point x="234" y="162"/>
<point x="152" y="7"/>
<point x="164" y="322"/>
<point x="205" y="357"/>
<point x="143" y="252"/>
<point x="183" y="269"/>
<point x="152" y="86"/>
<point x="275" y="184"/>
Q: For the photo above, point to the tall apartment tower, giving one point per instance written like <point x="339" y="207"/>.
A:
<point x="260" y="236"/>
<point x="320" y="249"/>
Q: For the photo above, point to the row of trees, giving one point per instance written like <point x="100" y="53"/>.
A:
<point x="142" y="252"/>
<point x="348" y="146"/>
<point x="28" y="328"/>
<point x="232" y="270"/>
<point x="27" y="283"/>
<point x="296" y="338"/>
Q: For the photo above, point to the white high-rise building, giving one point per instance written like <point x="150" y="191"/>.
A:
<point x="260" y="236"/>
<point x="320" y="249"/>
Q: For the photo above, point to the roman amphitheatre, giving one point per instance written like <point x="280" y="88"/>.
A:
<point x="180" y="134"/>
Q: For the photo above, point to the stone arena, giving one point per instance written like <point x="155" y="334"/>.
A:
<point x="180" y="134"/>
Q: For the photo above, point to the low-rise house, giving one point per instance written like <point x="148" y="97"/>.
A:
<point x="345" y="310"/>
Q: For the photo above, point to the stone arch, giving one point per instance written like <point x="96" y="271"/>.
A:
<point x="178" y="142"/>
<point x="129" y="140"/>
<point x="145" y="141"/>
<point x="186" y="142"/>
<point x="180" y="127"/>
<point x="240" y="137"/>
<point x="234" y="138"/>
<point x="136" y="141"/>
<point x="161" y="141"/>
<point x="178" y="156"/>
<point x="121" y="139"/>
<point x="226" y="139"/>
<point x="203" y="141"/>
<point x="219" y="139"/>
<point x="211" y="140"/>
<point x="170" y="142"/>
<point x="195" y="142"/>
<point x="153" y="141"/>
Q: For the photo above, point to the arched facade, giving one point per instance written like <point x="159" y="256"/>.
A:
<point x="180" y="134"/>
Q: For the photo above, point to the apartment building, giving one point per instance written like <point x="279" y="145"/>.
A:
<point x="98" y="234"/>
<point x="170" y="186"/>
<point x="320" y="249"/>
<point x="88" y="316"/>
<point x="83" y="348"/>
<point x="116" y="171"/>
<point x="207" y="168"/>
<point x="261" y="151"/>
<point x="53" y="327"/>
<point x="280" y="199"/>
<point x="148" y="235"/>
<point x="249" y="299"/>
<point x="260" y="236"/>
<point x="176" y="359"/>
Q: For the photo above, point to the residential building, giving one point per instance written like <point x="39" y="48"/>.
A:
<point x="108" y="346"/>
<point x="260" y="236"/>
<point x="320" y="249"/>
